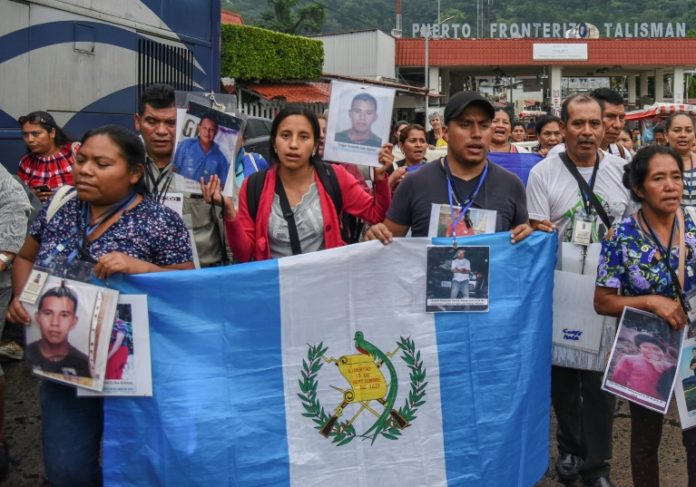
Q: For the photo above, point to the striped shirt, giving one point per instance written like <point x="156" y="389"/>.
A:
<point x="14" y="210"/>
<point x="689" y="194"/>
<point x="53" y="171"/>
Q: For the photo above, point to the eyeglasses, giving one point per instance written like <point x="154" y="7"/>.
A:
<point x="35" y="119"/>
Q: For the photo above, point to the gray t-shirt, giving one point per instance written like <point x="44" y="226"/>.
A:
<point x="553" y="194"/>
<point x="502" y="191"/>
<point x="308" y="219"/>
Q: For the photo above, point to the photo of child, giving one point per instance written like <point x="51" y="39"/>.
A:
<point x="643" y="363"/>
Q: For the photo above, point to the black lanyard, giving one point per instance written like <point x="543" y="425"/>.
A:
<point x="589" y="198"/>
<point x="164" y="177"/>
<point x="666" y="258"/>
<point x="464" y="203"/>
<point x="591" y="183"/>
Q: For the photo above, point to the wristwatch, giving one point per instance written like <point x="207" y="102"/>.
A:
<point x="6" y="260"/>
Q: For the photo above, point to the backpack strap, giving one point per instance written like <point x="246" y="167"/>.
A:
<point x="60" y="198"/>
<point x="254" y="189"/>
<point x="622" y="150"/>
<point x="252" y="159"/>
<point x="327" y="176"/>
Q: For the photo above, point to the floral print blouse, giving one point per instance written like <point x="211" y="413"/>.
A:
<point x="630" y="261"/>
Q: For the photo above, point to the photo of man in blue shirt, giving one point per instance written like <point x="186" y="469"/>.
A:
<point x="201" y="157"/>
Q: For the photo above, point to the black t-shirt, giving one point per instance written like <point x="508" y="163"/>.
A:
<point x="693" y="361"/>
<point x="75" y="363"/>
<point x="502" y="191"/>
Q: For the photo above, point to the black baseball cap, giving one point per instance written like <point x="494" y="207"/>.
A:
<point x="459" y="102"/>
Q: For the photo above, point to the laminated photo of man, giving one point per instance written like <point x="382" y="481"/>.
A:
<point x="201" y="157"/>
<point x="362" y="113"/>
<point x="56" y="316"/>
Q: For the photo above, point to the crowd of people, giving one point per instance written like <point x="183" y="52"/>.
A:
<point x="100" y="210"/>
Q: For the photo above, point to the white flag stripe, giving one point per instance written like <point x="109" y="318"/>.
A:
<point x="330" y="311"/>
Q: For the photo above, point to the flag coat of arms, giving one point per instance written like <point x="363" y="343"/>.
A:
<point x="325" y="368"/>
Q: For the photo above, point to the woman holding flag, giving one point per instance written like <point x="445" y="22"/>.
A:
<point x="104" y="226"/>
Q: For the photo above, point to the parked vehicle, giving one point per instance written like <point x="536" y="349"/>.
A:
<point x="257" y="135"/>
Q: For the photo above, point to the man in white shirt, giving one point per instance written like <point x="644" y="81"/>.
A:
<point x="556" y="199"/>
<point x="461" y="268"/>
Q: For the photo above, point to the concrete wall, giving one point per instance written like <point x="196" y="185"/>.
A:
<point x="368" y="54"/>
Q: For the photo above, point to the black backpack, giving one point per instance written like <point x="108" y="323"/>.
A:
<point x="328" y="179"/>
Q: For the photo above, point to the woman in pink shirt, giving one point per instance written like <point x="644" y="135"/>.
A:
<point x="642" y="372"/>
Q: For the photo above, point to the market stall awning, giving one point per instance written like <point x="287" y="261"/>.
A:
<point x="661" y="109"/>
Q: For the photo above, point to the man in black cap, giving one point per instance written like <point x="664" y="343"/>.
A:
<point x="465" y="178"/>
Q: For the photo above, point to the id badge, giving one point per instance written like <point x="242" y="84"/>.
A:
<point x="482" y="221"/>
<point x="582" y="231"/>
<point x="32" y="289"/>
<point x="174" y="201"/>
<point x="691" y="300"/>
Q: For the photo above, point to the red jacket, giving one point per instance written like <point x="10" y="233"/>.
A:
<point x="249" y="240"/>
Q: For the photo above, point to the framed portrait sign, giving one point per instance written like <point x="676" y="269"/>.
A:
<point x="358" y="122"/>
<point x="643" y="363"/>
<point x="207" y="143"/>
<point x="68" y="335"/>
<point x="457" y="279"/>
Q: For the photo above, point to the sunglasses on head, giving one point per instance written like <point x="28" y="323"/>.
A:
<point x="35" y="119"/>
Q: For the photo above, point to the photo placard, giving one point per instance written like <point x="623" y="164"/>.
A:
<point x="358" y="122"/>
<point x="67" y="338"/>
<point x="207" y="144"/>
<point x="129" y="366"/>
<point x="457" y="279"/>
<point x="642" y="367"/>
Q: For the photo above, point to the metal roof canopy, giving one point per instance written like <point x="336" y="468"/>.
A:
<point x="605" y="57"/>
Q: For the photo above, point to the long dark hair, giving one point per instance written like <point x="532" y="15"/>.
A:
<point x="129" y="146"/>
<point x="48" y="123"/>
<point x="289" y="111"/>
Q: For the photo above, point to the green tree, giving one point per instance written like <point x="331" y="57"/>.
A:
<point x="292" y="18"/>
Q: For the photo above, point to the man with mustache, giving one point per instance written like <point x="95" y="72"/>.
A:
<point x="614" y="118"/>
<point x="556" y="200"/>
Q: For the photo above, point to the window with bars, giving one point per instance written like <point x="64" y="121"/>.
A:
<point x="162" y="63"/>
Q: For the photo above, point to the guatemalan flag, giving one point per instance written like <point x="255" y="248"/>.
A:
<point x="324" y="369"/>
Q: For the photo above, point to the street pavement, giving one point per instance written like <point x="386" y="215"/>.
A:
<point x="23" y="427"/>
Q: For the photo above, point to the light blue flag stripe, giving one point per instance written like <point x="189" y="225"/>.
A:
<point x="495" y="368"/>
<point x="218" y="413"/>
